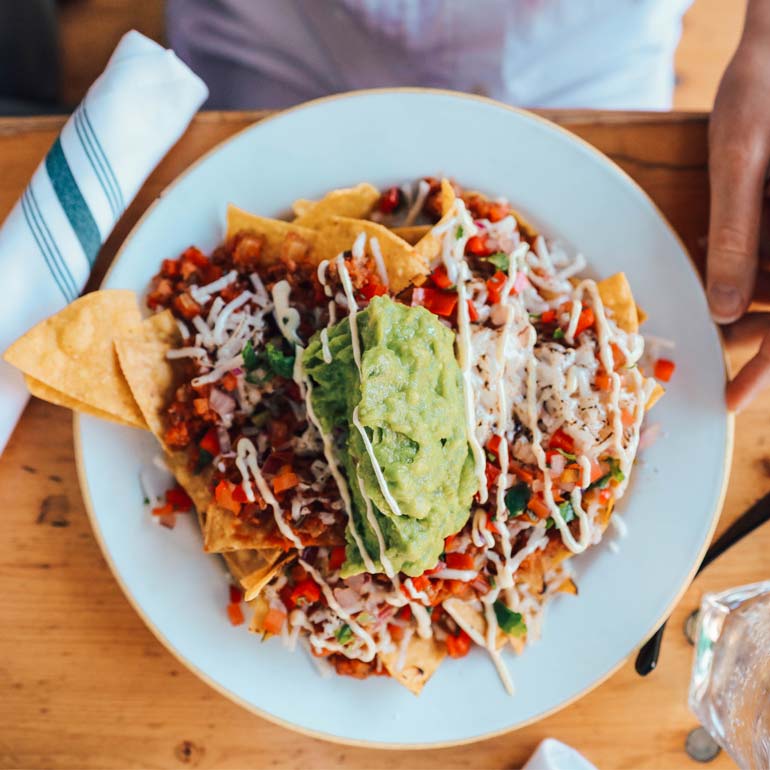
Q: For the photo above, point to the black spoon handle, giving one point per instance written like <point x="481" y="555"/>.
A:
<point x="745" y="524"/>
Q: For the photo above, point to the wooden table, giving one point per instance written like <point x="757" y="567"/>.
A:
<point x="84" y="684"/>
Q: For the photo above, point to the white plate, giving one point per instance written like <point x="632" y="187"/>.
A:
<point x="570" y="190"/>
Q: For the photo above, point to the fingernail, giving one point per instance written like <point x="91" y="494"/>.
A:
<point x="725" y="300"/>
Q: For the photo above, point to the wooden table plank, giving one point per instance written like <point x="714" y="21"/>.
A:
<point x="85" y="684"/>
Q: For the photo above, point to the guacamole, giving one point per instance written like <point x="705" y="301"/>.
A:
<point x="409" y="400"/>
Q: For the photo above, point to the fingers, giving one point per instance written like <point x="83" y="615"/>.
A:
<point x="748" y="330"/>
<point x="754" y="376"/>
<point x="737" y="180"/>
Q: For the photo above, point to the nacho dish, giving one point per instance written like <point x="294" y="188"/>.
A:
<point x="397" y="415"/>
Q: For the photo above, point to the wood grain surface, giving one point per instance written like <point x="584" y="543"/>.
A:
<point x="86" y="685"/>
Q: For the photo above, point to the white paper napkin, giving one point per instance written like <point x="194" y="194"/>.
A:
<point x="555" y="755"/>
<point x="132" y="114"/>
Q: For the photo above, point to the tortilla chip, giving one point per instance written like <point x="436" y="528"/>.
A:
<point x="71" y="352"/>
<point x="52" y="396"/>
<point x="616" y="295"/>
<point x="273" y="231"/>
<point x="423" y="657"/>
<point x="429" y="246"/>
<point x="641" y="316"/>
<point x="472" y="618"/>
<point x="402" y="261"/>
<point x="655" y="396"/>
<point x="261" y="608"/>
<point x="412" y="234"/>
<point x="273" y="562"/>
<point x="354" y="202"/>
<point x="528" y="230"/>
<point x="151" y="377"/>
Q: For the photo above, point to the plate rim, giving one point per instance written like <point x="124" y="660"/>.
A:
<point x="85" y="490"/>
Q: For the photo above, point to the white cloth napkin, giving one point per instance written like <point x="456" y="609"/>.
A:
<point x="132" y="114"/>
<point x="555" y="755"/>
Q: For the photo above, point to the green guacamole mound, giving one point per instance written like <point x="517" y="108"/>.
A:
<point x="410" y="402"/>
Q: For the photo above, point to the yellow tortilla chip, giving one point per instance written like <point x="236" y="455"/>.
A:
<point x="528" y="230"/>
<point x="52" y="396"/>
<point x="412" y="234"/>
<point x="273" y="561"/>
<point x="423" y="657"/>
<point x="71" y="352"/>
<point x="354" y="202"/>
<point x="273" y="231"/>
<point x="302" y="206"/>
<point x="261" y="608"/>
<point x="402" y="261"/>
<point x="616" y="295"/>
<point x="655" y="396"/>
<point x="429" y="246"/>
<point x="641" y="316"/>
<point x="472" y="618"/>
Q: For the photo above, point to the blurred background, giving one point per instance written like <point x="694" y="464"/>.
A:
<point x="51" y="50"/>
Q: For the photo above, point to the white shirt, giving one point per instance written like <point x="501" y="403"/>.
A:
<point x="610" y="54"/>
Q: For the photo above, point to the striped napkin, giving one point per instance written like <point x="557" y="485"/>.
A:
<point x="139" y="106"/>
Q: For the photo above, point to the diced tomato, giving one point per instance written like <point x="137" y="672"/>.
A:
<point x="491" y="525"/>
<point x="603" y="381"/>
<point x="605" y="495"/>
<point x="538" y="506"/>
<point x="441" y="303"/>
<point x="337" y="557"/>
<point x="201" y="406"/>
<point x="236" y="594"/>
<point x="286" y="479"/>
<point x="239" y="494"/>
<point x="179" y="499"/>
<point x="548" y="317"/>
<point x="493" y="445"/>
<point x="497" y="211"/>
<point x="372" y="288"/>
<point x="560" y="440"/>
<point x="458" y="646"/>
<point x="597" y="470"/>
<point x="420" y="583"/>
<point x="229" y="381"/>
<point x="456" y="587"/>
<point x="462" y="561"/>
<point x="235" y="613"/>
<point x="440" y="278"/>
<point x="210" y="442"/>
<point x="449" y="542"/>
<point x="390" y="200"/>
<point x="664" y="369"/>
<point x="297" y="573"/>
<point x="196" y="256"/>
<point x="473" y="314"/>
<point x="627" y="418"/>
<point x="618" y="359"/>
<point x="177" y="435"/>
<point x="163" y="510"/>
<point x="495" y="286"/>
<point x="477" y="246"/>
<point x="492" y="472"/>
<point x="396" y="632"/>
<point x="433" y="570"/>
<point x="522" y="473"/>
<point x="585" y="321"/>
<point x="186" y="306"/>
<point x="405" y="613"/>
<point x="224" y="496"/>
<point x="305" y="592"/>
<point x="274" y="620"/>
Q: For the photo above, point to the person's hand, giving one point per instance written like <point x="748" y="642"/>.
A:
<point x="739" y="155"/>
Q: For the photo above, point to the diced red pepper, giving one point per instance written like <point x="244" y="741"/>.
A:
<point x="179" y="499"/>
<point x="449" y="542"/>
<point x="229" y="381"/>
<point x="458" y="646"/>
<point x="473" y="314"/>
<point x="201" y="406"/>
<point x="235" y="613"/>
<point x="396" y="632"/>
<point x="477" y="246"/>
<point x="493" y="445"/>
<point x="239" y="494"/>
<point x="548" y="317"/>
<point x="495" y="286"/>
<point x="274" y="620"/>
<point x="433" y="570"/>
<point x="491" y="525"/>
<point x="236" y="595"/>
<point x="664" y="369"/>
<point x="560" y="440"/>
<point x="163" y="510"/>
<point x="170" y="268"/>
<point x="196" y="256"/>
<point x="497" y="211"/>
<point x="603" y="381"/>
<point x="522" y="473"/>
<point x="462" y="561"/>
<point x="492" y="472"/>
<point x="618" y="359"/>
<point x="337" y="557"/>
<point x="420" y="583"/>
<point x="390" y="200"/>
<point x="223" y="493"/>
<point x="441" y="303"/>
<point x="440" y="278"/>
<point x="405" y="613"/>
<point x="627" y="418"/>
<point x="210" y="442"/>
<point x="538" y="506"/>
<point x="585" y="321"/>
<point x="305" y="592"/>
<point x="605" y="495"/>
<point x="285" y="479"/>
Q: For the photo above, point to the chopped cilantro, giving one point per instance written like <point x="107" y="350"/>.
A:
<point x="558" y="333"/>
<point x="499" y="260"/>
<point x="204" y="458"/>
<point x="249" y="357"/>
<point x="516" y="499"/>
<point x="491" y="457"/>
<point x="511" y="623"/>
<point x="278" y="361"/>
<point x="459" y="233"/>
<point x="568" y="455"/>
<point x="567" y="511"/>
<point x="146" y="500"/>
<point x="549" y="524"/>
<point x="343" y="634"/>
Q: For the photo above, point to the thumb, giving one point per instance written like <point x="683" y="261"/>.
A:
<point x="737" y="165"/>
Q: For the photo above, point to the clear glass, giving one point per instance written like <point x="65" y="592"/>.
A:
<point x="730" y="685"/>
